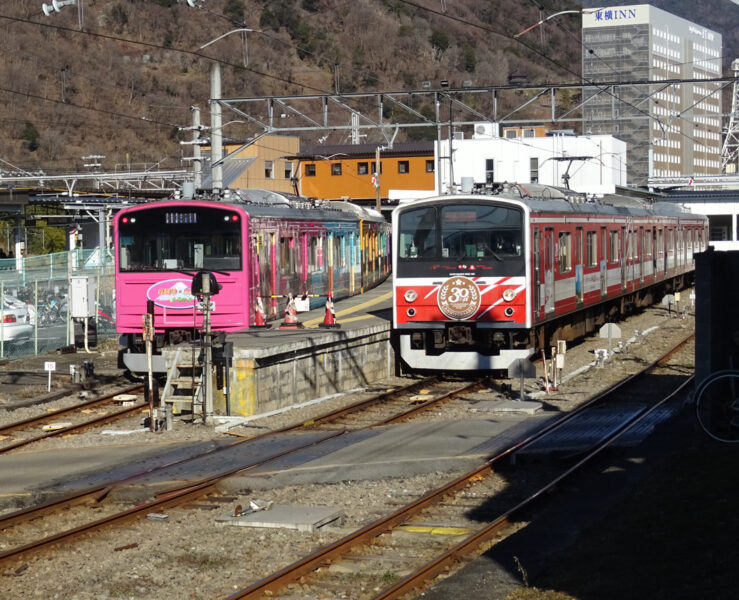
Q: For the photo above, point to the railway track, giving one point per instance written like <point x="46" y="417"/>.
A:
<point x="458" y="521"/>
<point x="22" y="433"/>
<point x="403" y="402"/>
<point x="317" y="572"/>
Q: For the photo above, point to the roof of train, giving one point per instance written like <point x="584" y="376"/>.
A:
<point x="266" y="203"/>
<point x="546" y="199"/>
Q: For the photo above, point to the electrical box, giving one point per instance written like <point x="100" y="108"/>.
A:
<point x="82" y="296"/>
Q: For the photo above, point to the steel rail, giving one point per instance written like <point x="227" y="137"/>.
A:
<point x="102" y="420"/>
<point x="334" y="433"/>
<point x="192" y="490"/>
<point x="132" y="513"/>
<point x="64" y="411"/>
<point x="468" y="546"/>
<point x="292" y="573"/>
<point x="81" y="496"/>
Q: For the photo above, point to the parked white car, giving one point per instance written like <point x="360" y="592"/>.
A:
<point x="15" y="321"/>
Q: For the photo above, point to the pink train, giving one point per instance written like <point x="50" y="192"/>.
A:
<point x="260" y="246"/>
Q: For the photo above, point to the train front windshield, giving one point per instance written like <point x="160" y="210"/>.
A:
<point x="180" y="238"/>
<point x="481" y="236"/>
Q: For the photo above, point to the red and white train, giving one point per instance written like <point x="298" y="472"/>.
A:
<point x="480" y="281"/>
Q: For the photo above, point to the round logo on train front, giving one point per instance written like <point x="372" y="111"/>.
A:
<point x="458" y="298"/>
<point x="172" y="293"/>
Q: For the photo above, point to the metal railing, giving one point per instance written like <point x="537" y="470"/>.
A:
<point x="41" y="284"/>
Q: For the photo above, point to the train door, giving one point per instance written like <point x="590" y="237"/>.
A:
<point x="578" y="265"/>
<point x="655" y="252"/>
<point x="537" y="274"/>
<point x="639" y="257"/>
<point x="603" y="262"/>
<point x="548" y="270"/>
<point x="624" y="245"/>
<point x="255" y="287"/>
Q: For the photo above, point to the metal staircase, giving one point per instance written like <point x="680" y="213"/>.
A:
<point x="183" y="391"/>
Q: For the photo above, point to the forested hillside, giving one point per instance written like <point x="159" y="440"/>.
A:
<point x="119" y="77"/>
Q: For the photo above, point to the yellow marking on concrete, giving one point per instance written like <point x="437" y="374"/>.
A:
<point x="436" y="530"/>
<point x="348" y="311"/>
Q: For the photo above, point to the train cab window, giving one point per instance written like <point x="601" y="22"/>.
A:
<point x="162" y="239"/>
<point x="417" y="233"/>
<point x="592" y="248"/>
<point x="480" y="231"/>
<point x="565" y="251"/>
<point x="613" y="253"/>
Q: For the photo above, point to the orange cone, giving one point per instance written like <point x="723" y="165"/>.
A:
<point x="260" y="321"/>
<point x="330" y="319"/>
<point x="291" y="315"/>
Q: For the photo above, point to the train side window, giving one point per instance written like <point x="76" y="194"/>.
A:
<point x="613" y="254"/>
<point x="339" y="251"/>
<point x="314" y="254"/>
<point x="647" y="237"/>
<point x="592" y="248"/>
<point x="287" y="256"/>
<point x="565" y="251"/>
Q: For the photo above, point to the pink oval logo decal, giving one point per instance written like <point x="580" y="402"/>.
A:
<point x="172" y="293"/>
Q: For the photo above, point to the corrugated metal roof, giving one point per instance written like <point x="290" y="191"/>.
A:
<point x="232" y="169"/>
<point x="365" y="150"/>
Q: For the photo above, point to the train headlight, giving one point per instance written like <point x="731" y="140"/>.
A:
<point x="508" y="312"/>
<point x="508" y="295"/>
<point x="411" y="312"/>
<point x="410" y="296"/>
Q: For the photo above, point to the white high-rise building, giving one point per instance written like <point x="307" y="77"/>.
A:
<point x="672" y="130"/>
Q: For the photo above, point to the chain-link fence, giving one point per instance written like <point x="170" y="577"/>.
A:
<point x="35" y="315"/>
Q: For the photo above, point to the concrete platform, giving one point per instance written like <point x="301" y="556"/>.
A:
<point x="275" y="368"/>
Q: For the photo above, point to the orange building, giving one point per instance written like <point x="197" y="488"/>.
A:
<point x="265" y="164"/>
<point x="348" y="171"/>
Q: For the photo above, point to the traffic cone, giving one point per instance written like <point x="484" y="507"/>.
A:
<point x="291" y="315"/>
<point x="260" y="322"/>
<point x="329" y="320"/>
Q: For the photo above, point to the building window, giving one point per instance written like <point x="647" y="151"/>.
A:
<point x="288" y="170"/>
<point x="404" y="166"/>
<point x="510" y="134"/>
<point x="534" y="170"/>
<point x="374" y="169"/>
<point x="489" y="170"/>
<point x="430" y="166"/>
<point x="335" y="168"/>
<point x="529" y="133"/>
<point x="310" y="170"/>
<point x="363" y="168"/>
<point x="268" y="169"/>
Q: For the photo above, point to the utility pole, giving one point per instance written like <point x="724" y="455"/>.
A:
<point x="216" y="145"/>
<point x="197" y="167"/>
<point x="378" y="202"/>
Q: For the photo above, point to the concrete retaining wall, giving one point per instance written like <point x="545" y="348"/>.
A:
<point x="296" y="372"/>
